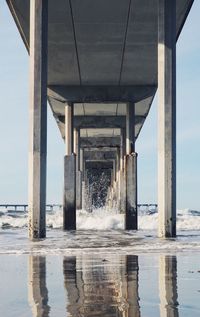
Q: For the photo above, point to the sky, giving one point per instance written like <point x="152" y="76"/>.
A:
<point x="14" y="104"/>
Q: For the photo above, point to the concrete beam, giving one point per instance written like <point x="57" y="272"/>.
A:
<point x="100" y="142"/>
<point x="101" y="149"/>
<point x="99" y="164"/>
<point x="167" y="118"/>
<point x="99" y="156"/>
<point x="97" y="122"/>
<point x="100" y="122"/>
<point x="38" y="118"/>
<point x="78" y="94"/>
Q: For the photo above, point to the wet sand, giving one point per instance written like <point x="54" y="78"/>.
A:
<point x="110" y="284"/>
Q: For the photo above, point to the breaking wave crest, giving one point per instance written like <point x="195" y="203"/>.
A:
<point x="103" y="219"/>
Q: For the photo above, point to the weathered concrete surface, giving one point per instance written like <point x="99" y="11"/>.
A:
<point x="69" y="201"/>
<point x="167" y="118"/>
<point x="38" y="119"/>
<point x="131" y="192"/>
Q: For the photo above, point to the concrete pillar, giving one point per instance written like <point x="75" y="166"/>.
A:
<point x="69" y="204"/>
<point x="131" y="171"/>
<point x="130" y="128"/>
<point x="81" y="159"/>
<point x="38" y="118"/>
<point x="69" y="137"/>
<point x="78" y="190"/>
<point x="122" y="148"/>
<point x="87" y="192"/>
<point x="77" y="147"/>
<point x="78" y="172"/>
<point x="167" y="118"/>
<point x="69" y="201"/>
<point x="168" y="286"/>
<point x="131" y="216"/>
<point x="122" y="171"/>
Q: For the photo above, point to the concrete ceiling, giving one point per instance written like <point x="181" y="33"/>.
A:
<point x="100" y="43"/>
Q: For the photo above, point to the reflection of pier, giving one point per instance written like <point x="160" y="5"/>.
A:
<point x="38" y="293"/>
<point x="98" y="287"/>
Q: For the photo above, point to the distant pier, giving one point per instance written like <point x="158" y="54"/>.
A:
<point x="53" y="207"/>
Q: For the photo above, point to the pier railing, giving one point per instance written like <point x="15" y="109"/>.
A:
<point x="24" y="207"/>
<point x="52" y="207"/>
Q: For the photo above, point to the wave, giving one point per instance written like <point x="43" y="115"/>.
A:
<point x="103" y="219"/>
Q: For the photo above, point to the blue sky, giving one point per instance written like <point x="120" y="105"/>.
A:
<point x="14" y="103"/>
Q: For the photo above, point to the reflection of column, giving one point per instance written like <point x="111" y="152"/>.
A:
<point x="73" y="285"/>
<point x="168" y="286"/>
<point x="132" y="286"/>
<point x="38" y="293"/>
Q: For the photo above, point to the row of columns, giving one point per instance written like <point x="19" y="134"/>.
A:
<point x="38" y="131"/>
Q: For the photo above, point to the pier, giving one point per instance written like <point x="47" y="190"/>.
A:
<point x="99" y="65"/>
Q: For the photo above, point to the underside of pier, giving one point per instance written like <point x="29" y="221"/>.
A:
<point x="99" y="64"/>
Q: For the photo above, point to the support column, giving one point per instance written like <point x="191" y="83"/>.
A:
<point x="167" y="118"/>
<point x="122" y="171"/>
<point x="69" y="203"/>
<point x="78" y="172"/>
<point x="131" y="171"/>
<point x="38" y="118"/>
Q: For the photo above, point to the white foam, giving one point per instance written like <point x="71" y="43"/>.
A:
<point x="102" y="219"/>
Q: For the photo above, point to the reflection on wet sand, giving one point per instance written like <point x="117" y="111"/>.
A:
<point x="97" y="286"/>
<point x="168" y="286"/>
<point x="37" y="290"/>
